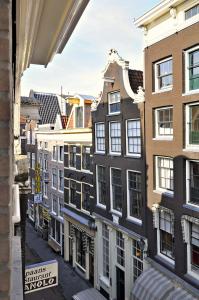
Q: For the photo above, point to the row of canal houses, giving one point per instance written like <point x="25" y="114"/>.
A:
<point x="115" y="180"/>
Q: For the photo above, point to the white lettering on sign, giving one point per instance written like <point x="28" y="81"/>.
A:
<point x="41" y="276"/>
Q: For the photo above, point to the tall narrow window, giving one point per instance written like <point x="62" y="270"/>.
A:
<point x="61" y="180"/>
<point x="192" y="126"/>
<point x="54" y="178"/>
<point x="79" y="117"/>
<point x="73" y="192"/>
<point x="101" y="185"/>
<point x="194" y="70"/>
<point x="100" y="137"/>
<point x="114" y="102"/>
<point x="86" y="159"/>
<point x="166" y="234"/>
<point x="194" y="243"/>
<point x="54" y="204"/>
<point x="54" y="152"/>
<point x="86" y="196"/>
<point x="115" y="137"/>
<point x="33" y="160"/>
<point x="116" y="189"/>
<point x="137" y="260"/>
<point x="134" y="194"/>
<point x="193" y="182"/>
<point x="80" y="252"/>
<point x="73" y="157"/>
<point x="133" y="137"/>
<point x="164" y="122"/>
<point x="164" y="173"/>
<point x="164" y="74"/>
<point x="105" y="244"/>
<point x="120" y="249"/>
<point x="61" y="153"/>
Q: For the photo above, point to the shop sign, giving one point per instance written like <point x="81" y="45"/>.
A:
<point x="37" y="178"/>
<point x="41" y="276"/>
<point x="38" y="198"/>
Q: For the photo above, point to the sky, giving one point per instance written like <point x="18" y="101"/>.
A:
<point x="105" y="24"/>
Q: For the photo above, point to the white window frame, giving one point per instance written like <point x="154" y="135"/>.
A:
<point x="156" y="80"/>
<point x="157" y="188"/>
<point x="54" y="187"/>
<point x="60" y="203"/>
<point x="136" y="259"/>
<point x="71" y="204"/>
<point x="110" y="151"/>
<point x="166" y="258"/>
<point x="114" y="113"/>
<point x="119" y="213"/>
<point x="190" y="271"/>
<point x="187" y="120"/>
<point x="97" y="188"/>
<point x="33" y="161"/>
<point x="187" y="89"/>
<point x="83" y="209"/>
<point x="54" y="154"/>
<point x="165" y="136"/>
<point x="190" y="8"/>
<point x="96" y="149"/>
<point x="60" y="158"/>
<point x="54" y="197"/>
<point x="61" y="191"/>
<point x="188" y="179"/>
<point x="45" y="189"/>
<point x="129" y="217"/>
<point x="127" y="144"/>
<point x="107" y="239"/>
<point x="82" y="154"/>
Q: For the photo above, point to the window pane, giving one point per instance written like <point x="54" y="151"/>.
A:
<point x="100" y="137"/>
<point x="165" y="121"/>
<point x="134" y="136"/>
<point x="194" y="125"/>
<point x="135" y="196"/>
<point x="101" y="186"/>
<point x="165" y="173"/>
<point x="115" y="136"/>
<point x="114" y="102"/>
<point x="164" y="73"/>
<point x="194" y="182"/>
<point x="116" y="189"/>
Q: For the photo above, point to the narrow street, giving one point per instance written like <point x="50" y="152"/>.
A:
<point x="37" y="250"/>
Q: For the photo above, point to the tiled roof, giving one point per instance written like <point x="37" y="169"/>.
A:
<point x="49" y="107"/>
<point x="136" y="79"/>
<point x="29" y="100"/>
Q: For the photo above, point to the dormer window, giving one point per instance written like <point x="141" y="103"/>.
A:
<point x="114" y="102"/>
<point x="79" y="117"/>
<point x="193" y="11"/>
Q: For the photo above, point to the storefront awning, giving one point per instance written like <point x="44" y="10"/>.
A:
<point x="151" y="285"/>
<point x="154" y="285"/>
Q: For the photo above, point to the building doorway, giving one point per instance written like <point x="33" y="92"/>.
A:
<point x="120" y="280"/>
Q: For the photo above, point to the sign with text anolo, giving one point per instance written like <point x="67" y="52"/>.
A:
<point x="41" y="276"/>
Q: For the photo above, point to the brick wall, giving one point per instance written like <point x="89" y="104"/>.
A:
<point x="5" y="144"/>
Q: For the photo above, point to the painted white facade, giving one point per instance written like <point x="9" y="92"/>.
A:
<point x="165" y="19"/>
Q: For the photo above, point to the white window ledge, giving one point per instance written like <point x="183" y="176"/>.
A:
<point x="134" y="220"/>
<point x="163" y="90"/>
<point x="191" y="149"/>
<point x="101" y="206"/>
<point x="105" y="280"/>
<point x="192" y="92"/>
<point x="163" y="138"/>
<point x="164" y="192"/>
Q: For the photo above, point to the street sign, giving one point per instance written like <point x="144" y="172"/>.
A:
<point x="38" y="198"/>
<point x="41" y="276"/>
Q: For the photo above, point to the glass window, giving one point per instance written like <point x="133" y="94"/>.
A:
<point x="166" y="234"/>
<point x="61" y="180"/>
<point x="115" y="137"/>
<point x="73" y="192"/>
<point x="60" y="206"/>
<point x="133" y="137"/>
<point x="105" y="243"/>
<point x="54" y="177"/>
<point x="164" y="176"/>
<point x="137" y="259"/>
<point x="33" y="185"/>
<point x="194" y="182"/>
<point x="193" y="11"/>
<point x="135" y="195"/>
<point x="195" y="247"/>
<point x="45" y="162"/>
<point x="194" y="70"/>
<point x="164" y="122"/>
<point x="54" y="204"/>
<point x="57" y="231"/>
<point x="101" y="185"/>
<point x="193" y="124"/>
<point x="61" y="153"/>
<point x="33" y="160"/>
<point x="120" y="249"/>
<point x="45" y="145"/>
<point x="79" y="117"/>
<point x="116" y="189"/>
<point x="86" y="159"/>
<point x="45" y="187"/>
<point x="164" y="74"/>
<point x="53" y="234"/>
<point x="100" y="137"/>
<point x="54" y="153"/>
<point x="80" y="252"/>
<point x="114" y="102"/>
<point x="86" y="196"/>
<point x="73" y="156"/>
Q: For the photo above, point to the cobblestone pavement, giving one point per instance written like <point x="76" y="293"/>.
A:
<point x="37" y="250"/>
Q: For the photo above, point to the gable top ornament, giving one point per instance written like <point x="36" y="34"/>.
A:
<point x="115" y="57"/>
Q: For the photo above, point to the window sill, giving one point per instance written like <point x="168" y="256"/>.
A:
<point x="164" y="192"/>
<point x="113" y="114"/>
<point x="114" y="154"/>
<point x="101" y="206"/>
<point x="86" y="212"/>
<point x="163" y="90"/>
<point x="105" y="281"/>
<point x="134" y="220"/>
<point x="71" y="205"/>
<point x="133" y="155"/>
<point x="116" y="212"/>
<point x="86" y="171"/>
<point x="191" y="149"/>
<point x="191" y="92"/>
<point x="99" y="152"/>
<point x="191" y="206"/>
<point x="192" y="275"/>
<point x="80" y="267"/>
<point x="166" y="138"/>
<point x="60" y="191"/>
<point x="166" y="259"/>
